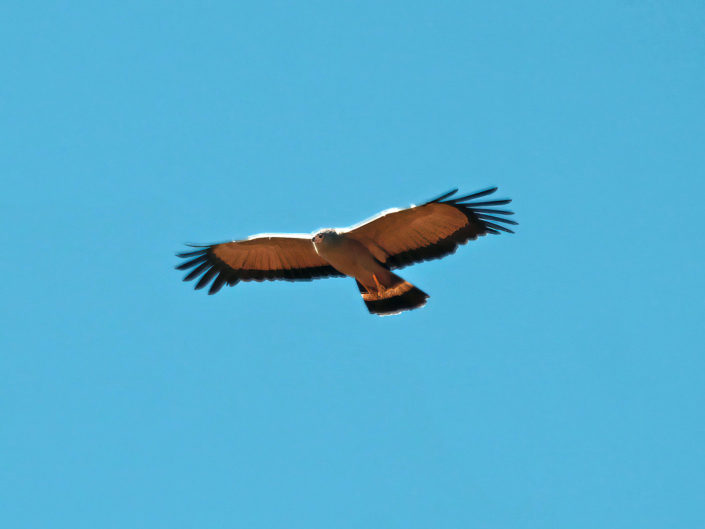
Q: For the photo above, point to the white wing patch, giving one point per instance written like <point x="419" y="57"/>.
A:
<point x="375" y="217"/>
<point x="283" y="235"/>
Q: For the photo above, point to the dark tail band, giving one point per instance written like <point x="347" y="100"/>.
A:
<point x="402" y="296"/>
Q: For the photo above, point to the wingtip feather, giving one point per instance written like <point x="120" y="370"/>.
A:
<point x="443" y="196"/>
<point x="475" y="195"/>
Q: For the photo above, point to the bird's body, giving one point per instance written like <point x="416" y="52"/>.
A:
<point x="380" y="288"/>
<point x="367" y="252"/>
<point x="351" y="257"/>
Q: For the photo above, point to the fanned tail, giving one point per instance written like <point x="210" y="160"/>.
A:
<point x="395" y="299"/>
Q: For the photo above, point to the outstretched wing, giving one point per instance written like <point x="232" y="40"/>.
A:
<point x="432" y="230"/>
<point x="259" y="258"/>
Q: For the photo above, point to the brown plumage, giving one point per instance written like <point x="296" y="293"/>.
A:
<point x="367" y="251"/>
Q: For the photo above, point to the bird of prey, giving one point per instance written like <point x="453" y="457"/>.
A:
<point x="368" y="251"/>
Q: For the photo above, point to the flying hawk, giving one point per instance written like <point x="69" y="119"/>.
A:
<point x="368" y="251"/>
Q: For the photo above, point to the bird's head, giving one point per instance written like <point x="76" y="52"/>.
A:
<point x="325" y="236"/>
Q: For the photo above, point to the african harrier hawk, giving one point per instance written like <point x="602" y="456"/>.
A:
<point x="368" y="251"/>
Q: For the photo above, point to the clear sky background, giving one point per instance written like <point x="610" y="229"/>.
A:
<point x="555" y="378"/>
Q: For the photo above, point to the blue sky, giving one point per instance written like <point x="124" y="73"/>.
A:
<point x="555" y="378"/>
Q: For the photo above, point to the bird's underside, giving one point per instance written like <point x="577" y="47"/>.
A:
<point x="367" y="252"/>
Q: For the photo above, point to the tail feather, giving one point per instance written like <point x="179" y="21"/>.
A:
<point x="395" y="299"/>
